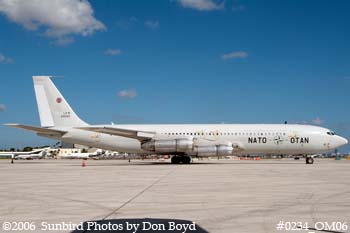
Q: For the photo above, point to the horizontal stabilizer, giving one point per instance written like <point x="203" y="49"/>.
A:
<point x="136" y="134"/>
<point x="38" y="130"/>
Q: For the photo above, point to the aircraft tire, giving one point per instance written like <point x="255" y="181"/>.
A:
<point x="186" y="159"/>
<point x="309" y="160"/>
<point x="175" y="159"/>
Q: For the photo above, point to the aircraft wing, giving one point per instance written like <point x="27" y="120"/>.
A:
<point x="39" y="130"/>
<point x="237" y="146"/>
<point x="129" y="133"/>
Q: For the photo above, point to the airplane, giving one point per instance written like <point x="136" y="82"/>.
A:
<point x="34" y="154"/>
<point x="182" y="141"/>
<point x="76" y="156"/>
<point x="98" y="153"/>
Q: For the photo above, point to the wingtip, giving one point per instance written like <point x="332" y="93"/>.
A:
<point x="10" y="124"/>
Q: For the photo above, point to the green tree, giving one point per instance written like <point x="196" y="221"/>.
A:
<point x="27" y="148"/>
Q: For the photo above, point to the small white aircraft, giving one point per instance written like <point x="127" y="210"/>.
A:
<point x="83" y="155"/>
<point x="76" y="156"/>
<point x="59" y="121"/>
<point x="34" y="154"/>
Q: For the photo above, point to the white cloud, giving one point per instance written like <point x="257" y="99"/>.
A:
<point x="63" y="41"/>
<point x="126" y="23"/>
<point x="112" y="52"/>
<point x="55" y="18"/>
<point x="317" y="121"/>
<point x="152" y="24"/>
<point x="202" y="5"/>
<point x="4" y="60"/>
<point x="2" y="107"/>
<point x="234" y="55"/>
<point x="127" y="94"/>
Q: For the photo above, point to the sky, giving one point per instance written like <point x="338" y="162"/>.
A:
<point x="177" y="61"/>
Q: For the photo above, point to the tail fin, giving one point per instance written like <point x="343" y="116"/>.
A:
<point x="53" y="108"/>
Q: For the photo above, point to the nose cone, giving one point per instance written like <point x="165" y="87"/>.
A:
<point x="342" y="141"/>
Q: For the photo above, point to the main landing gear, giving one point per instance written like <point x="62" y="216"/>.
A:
<point x="309" y="160"/>
<point x="176" y="159"/>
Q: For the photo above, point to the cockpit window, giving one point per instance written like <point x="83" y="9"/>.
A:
<point x="330" y="133"/>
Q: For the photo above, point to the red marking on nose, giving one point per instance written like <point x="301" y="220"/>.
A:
<point x="59" y="100"/>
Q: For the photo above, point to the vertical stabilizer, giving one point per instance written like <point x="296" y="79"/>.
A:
<point x="53" y="108"/>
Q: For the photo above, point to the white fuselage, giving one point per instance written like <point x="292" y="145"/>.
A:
<point x="251" y="138"/>
<point x="35" y="154"/>
<point x="76" y="156"/>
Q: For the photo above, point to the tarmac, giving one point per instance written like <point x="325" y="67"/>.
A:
<point x="218" y="195"/>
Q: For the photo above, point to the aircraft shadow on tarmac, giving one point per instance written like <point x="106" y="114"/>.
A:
<point x="149" y="225"/>
<point x="191" y="164"/>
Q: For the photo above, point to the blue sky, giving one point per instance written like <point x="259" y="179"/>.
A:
<point x="178" y="61"/>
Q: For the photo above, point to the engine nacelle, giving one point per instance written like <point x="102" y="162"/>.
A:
<point x="168" y="146"/>
<point x="218" y="150"/>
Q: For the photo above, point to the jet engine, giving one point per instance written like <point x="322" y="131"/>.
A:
<point x="214" y="150"/>
<point x="167" y="146"/>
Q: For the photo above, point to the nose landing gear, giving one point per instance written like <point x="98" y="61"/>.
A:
<point x="309" y="160"/>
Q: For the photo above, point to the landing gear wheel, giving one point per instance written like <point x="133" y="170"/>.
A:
<point x="186" y="159"/>
<point x="175" y="159"/>
<point x="309" y="160"/>
<point x="180" y="159"/>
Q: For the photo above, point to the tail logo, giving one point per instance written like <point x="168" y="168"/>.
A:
<point x="59" y="100"/>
